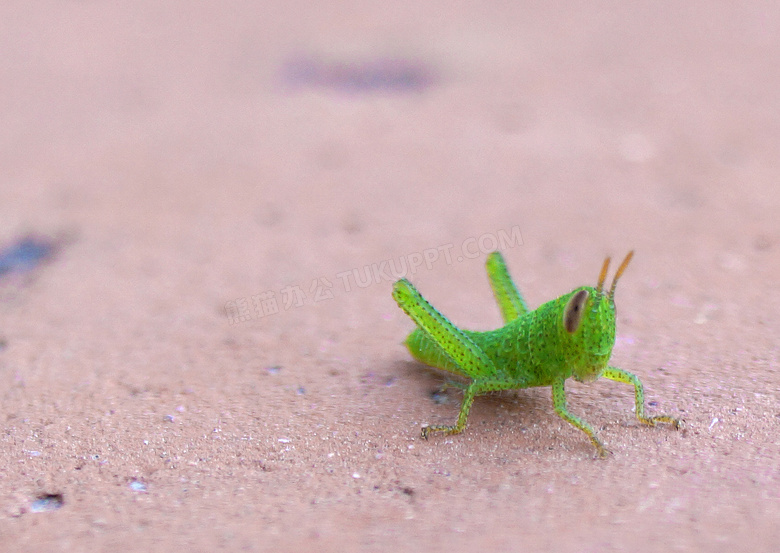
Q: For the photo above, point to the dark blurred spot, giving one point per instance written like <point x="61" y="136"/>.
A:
<point x="46" y="503"/>
<point x="383" y="74"/>
<point x="439" y="397"/>
<point x="352" y="224"/>
<point x="26" y="254"/>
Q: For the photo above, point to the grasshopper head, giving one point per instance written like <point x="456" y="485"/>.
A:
<point x="589" y="325"/>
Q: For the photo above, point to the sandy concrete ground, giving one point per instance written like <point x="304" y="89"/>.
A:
<point x="205" y="161"/>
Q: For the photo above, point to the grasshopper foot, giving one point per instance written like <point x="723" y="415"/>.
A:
<point x="652" y="421"/>
<point x="601" y="451"/>
<point x="446" y="430"/>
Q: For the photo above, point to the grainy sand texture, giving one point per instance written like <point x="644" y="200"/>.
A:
<point x="203" y="207"/>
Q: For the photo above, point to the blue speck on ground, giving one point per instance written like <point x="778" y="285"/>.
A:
<point x="26" y="254"/>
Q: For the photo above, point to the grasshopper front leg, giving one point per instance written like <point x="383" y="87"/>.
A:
<point x="619" y="375"/>
<point x="559" y="404"/>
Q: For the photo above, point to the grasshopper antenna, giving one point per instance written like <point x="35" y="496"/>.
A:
<point x="603" y="275"/>
<point x="619" y="274"/>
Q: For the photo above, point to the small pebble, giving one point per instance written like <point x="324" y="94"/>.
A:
<point x="137" y="486"/>
<point x="713" y="423"/>
<point x="47" y="503"/>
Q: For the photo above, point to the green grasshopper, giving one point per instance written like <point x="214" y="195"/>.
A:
<point x="571" y="336"/>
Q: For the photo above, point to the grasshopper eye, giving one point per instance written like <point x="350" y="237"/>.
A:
<point x="572" y="315"/>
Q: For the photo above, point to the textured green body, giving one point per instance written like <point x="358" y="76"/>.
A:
<point x="571" y="336"/>
<point x="533" y="349"/>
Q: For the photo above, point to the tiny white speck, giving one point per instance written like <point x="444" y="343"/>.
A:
<point x="137" y="486"/>
<point x="284" y="440"/>
<point x="355" y="475"/>
<point x="713" y="423"/>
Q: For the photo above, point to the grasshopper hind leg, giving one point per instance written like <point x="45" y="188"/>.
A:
<point x="467" y="356"/>
<point x="468" y="359"/>
<point x="509" y="300"/>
